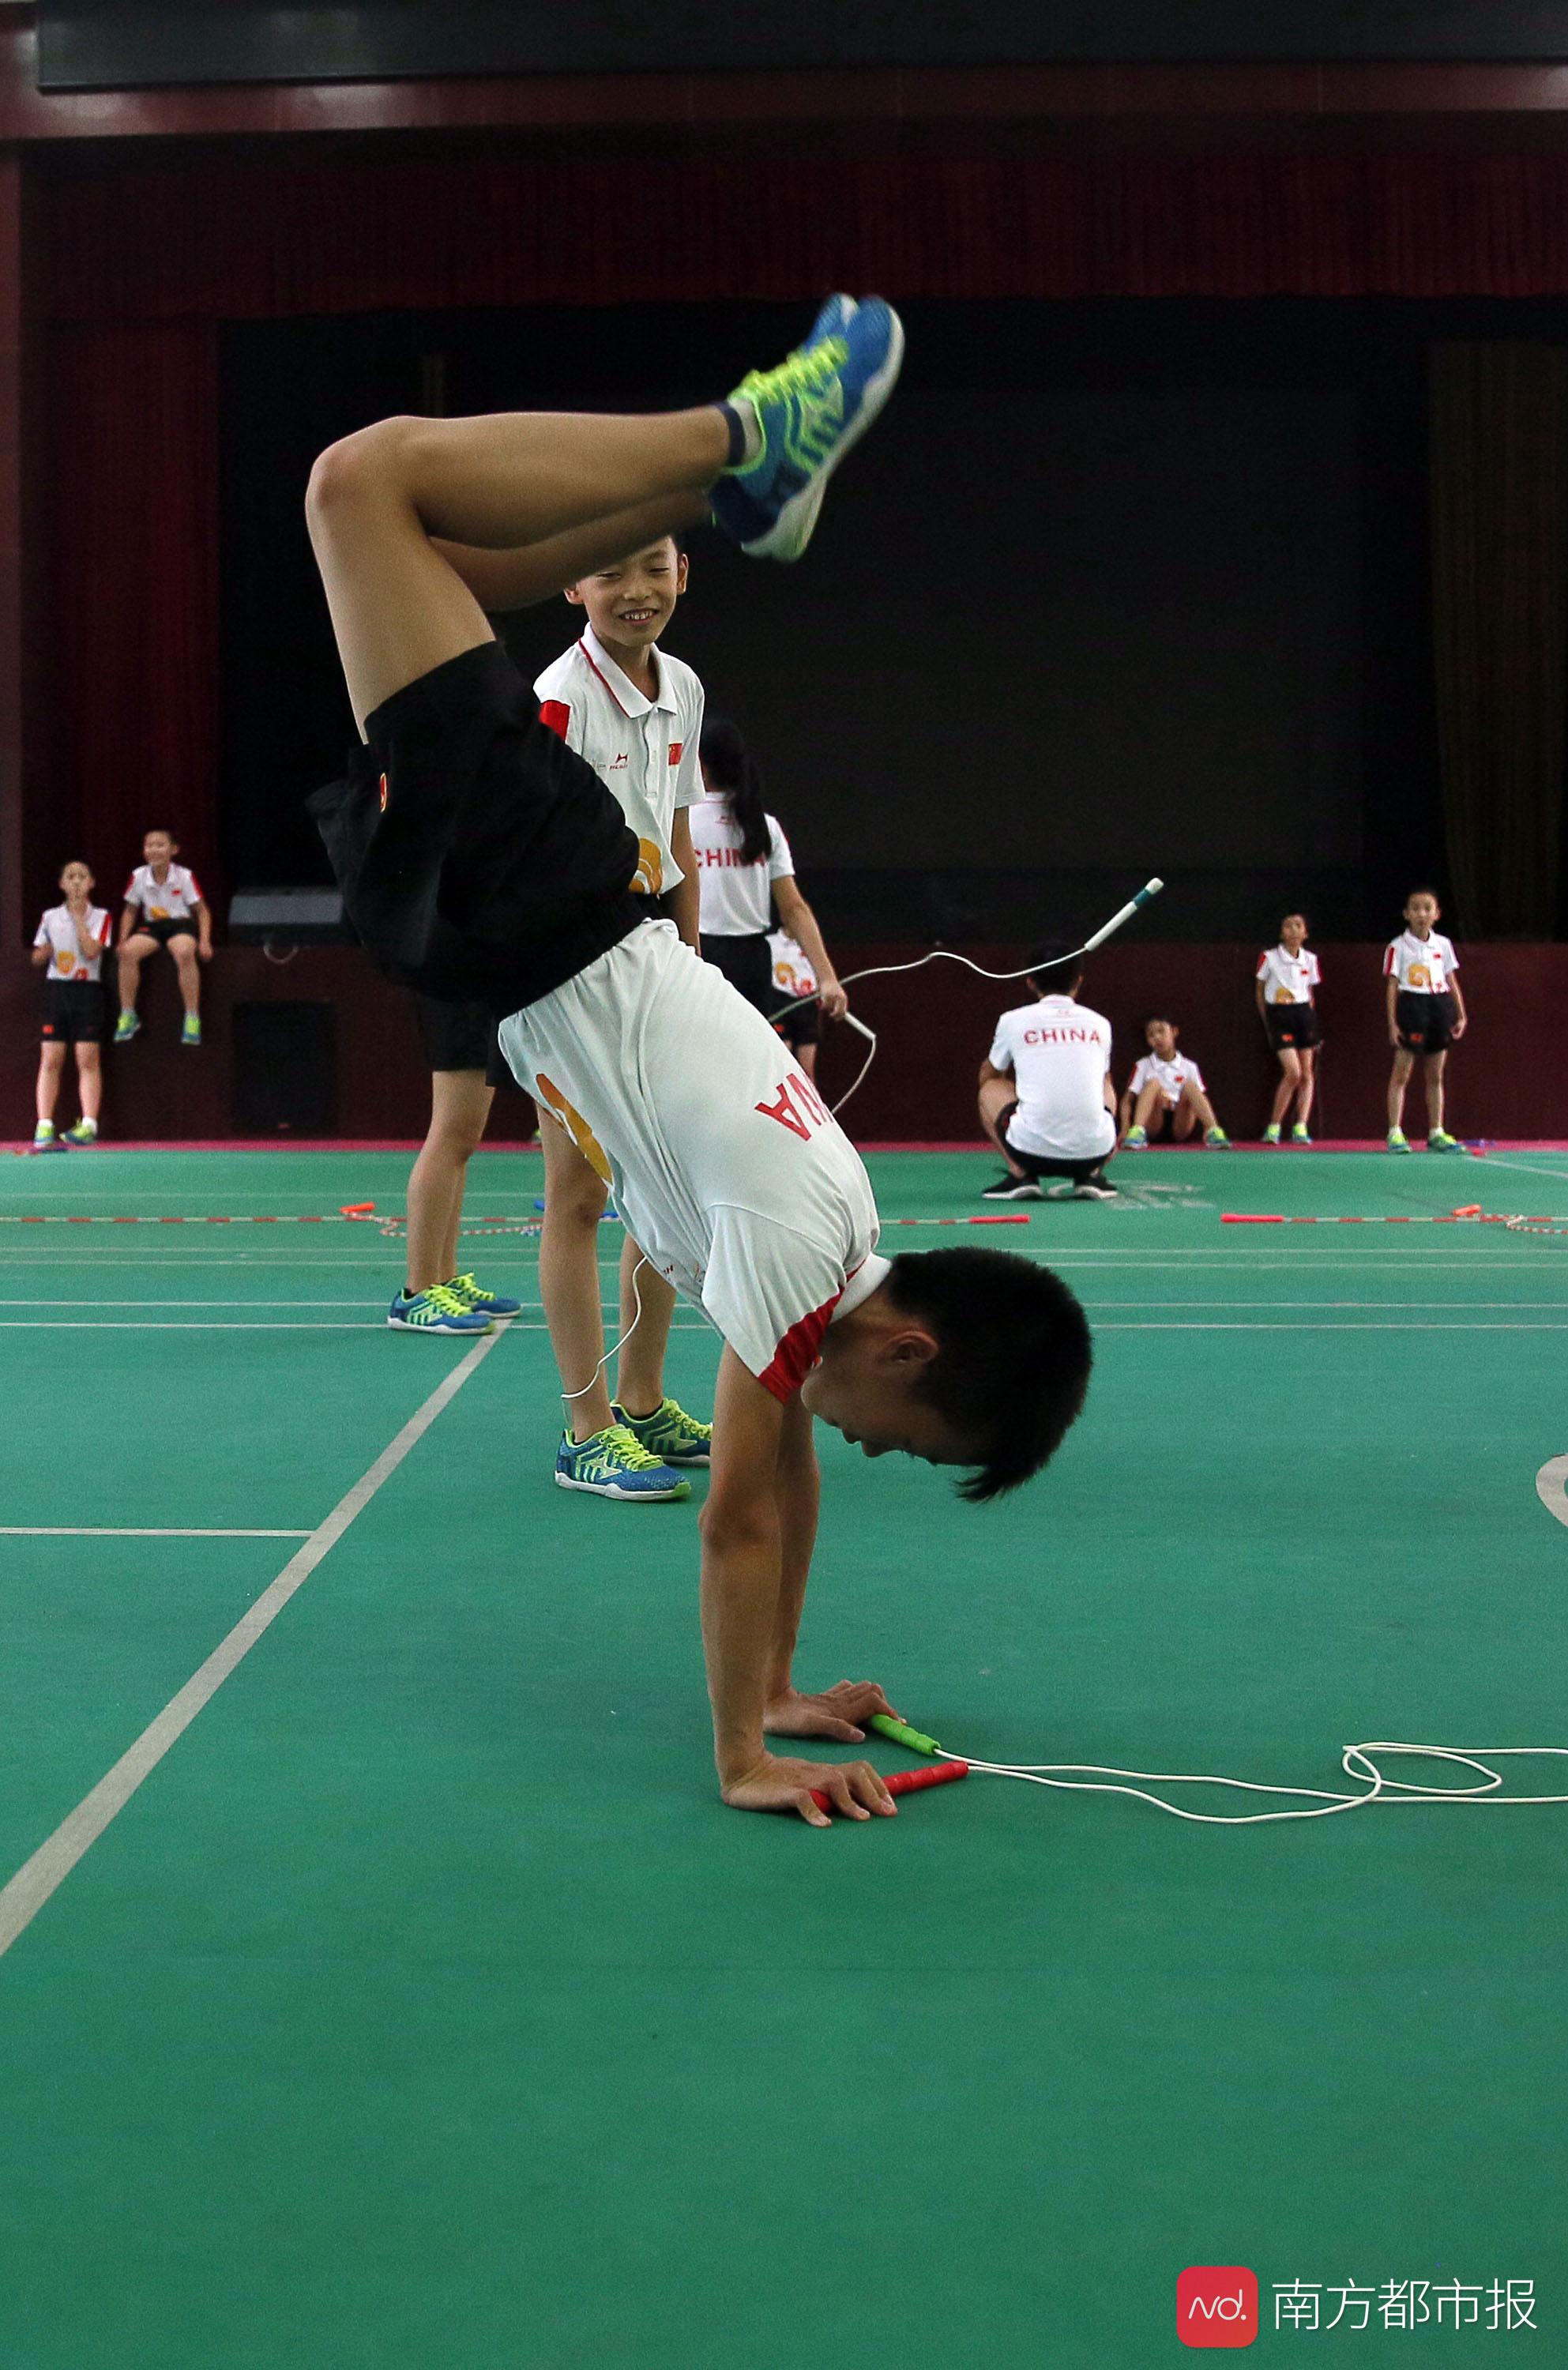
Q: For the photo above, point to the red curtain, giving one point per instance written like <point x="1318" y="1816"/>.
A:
<point x="225" y="239"/>
<point x="139" y="265"/>
<point x="134" y="430"/>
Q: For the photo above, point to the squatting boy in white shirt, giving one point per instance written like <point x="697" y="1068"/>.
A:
<point x="479" y="856"/>
<point x="1046" y="1100"/>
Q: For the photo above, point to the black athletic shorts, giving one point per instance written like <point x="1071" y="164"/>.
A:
<point x="461" y="1037"/>
<point x="1426" y="1023"/>
<point x="1042" y="1164"/>
<point x="481" y="859"/>
<point x="747" y="963"/>
<point x="179" y="927"/>
<point x="72" y="1012"/>
<point x="1293" y="1025"/>
<point x="802" y="1025"/>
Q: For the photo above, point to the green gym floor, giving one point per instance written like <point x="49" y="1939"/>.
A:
<point x="423" y="2009"/>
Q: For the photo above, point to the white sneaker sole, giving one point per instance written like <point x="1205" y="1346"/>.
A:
<point x="451" y="1333"/>
<point x="624" y="1497"/>
<point x="791" y="531"/>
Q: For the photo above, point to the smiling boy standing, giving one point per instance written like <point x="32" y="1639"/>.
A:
<point x="635" y="713"/>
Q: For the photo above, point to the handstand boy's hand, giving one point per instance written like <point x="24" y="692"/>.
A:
<point x="839" y="1712"/>
<point x="773" y="1784"/>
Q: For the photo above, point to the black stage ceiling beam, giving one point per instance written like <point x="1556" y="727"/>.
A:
<point x="147" y="44"/>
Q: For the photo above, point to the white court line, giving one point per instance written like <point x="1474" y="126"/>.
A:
<point x="1527" y="1168"/>
<point x="107" y="1531"/>
<point x="196" y="1325"/>
<point x="1551" y="1482"/>
<point x="41" y="1876"/>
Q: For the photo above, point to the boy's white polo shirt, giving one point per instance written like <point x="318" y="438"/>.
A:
<point x="643" y="750"/>
<point x="739" y="1185"/>
<point x="1287" y="978"/>
<point x="736" y="895"/>
<point x="1058" y="1052"/>
<point x="57" y="931"/>
<point x="1421" y="966"/>
<point x="1172" y="1076"/>
<point x="173" y="899"/>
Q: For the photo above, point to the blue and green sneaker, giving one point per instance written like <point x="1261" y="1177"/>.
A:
<point x="439" y="1310"/>
<point x="1217" y="1139"/>
<point x="85" y="1132"/>
<point x="126" y="1026"/>
<point x="191" y="1029"/>
<point x="809" y="412"/>
<point x="1136" y="1140"/>
<point x="614" y="1463"/>
<point x="44" y="1137"/>
<point x="669" y="1434"/>
<point x="474" y="1297"/>
<point x="1439" y="1140"/>
<point x="1398" y="1139"/>
<point x="1298" y="1132"/>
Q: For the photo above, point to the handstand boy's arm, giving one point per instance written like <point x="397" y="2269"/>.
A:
<point x="747" y="1613"/>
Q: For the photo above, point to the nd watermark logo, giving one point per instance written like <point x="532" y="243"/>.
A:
<point x="1217" y="2304"/>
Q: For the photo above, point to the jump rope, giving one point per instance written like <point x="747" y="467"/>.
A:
<point x="1360" y="1763"/>
<point x="882" y="971"/>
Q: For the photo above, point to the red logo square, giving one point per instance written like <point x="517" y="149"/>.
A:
<point x="1217" y="2304"/>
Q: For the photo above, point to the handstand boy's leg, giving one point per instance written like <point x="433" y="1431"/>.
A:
<point x="498" y="482"/>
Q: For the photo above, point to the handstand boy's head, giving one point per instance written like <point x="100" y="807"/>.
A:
<point x="963" y="1357"/>
<point x="630" y="604"/>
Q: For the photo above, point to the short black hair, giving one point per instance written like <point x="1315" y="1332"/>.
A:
<point x="1146" y="1023"/>
<point x="1057" y="967"/>
<point x="1013" y="1357"/>
<point x="1422" y="889"/>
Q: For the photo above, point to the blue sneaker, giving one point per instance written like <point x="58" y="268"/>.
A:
<point x="810" y="411"/>
<point x="669" y="1434"/>
<point x="474" y="1297"/>
<point x="613" y="1464"/>
<point x="439" y="1310"/>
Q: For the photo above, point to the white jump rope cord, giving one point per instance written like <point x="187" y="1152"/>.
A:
<point x="1356" y="1762"/>
<point x="946" y="954"/>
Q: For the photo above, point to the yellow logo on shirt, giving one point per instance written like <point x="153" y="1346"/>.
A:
<point x="157" y="913"/>
<point x="1419" y="976"/>
<point x="576" y="1126"/>
<point x="649" y="877"/>
<point x="1283" y="996"/>
<point x="65" y="963"/>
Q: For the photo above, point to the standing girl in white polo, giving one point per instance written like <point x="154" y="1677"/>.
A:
<point x="743" y="869"/>
<point x="1282" y="990"/>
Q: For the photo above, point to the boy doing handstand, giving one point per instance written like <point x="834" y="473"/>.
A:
<point x="478" y="854"/>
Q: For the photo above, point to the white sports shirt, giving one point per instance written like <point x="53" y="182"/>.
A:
<point x="1058" y="1052"/>
<point x="1287" y="978"/>
<point x="643" y="750"/>
<point x="1421" y="966"/>
<point x="57" y="931"/>
<point x="730" y="1173"/>
<point x="1172" y="1076"/>
<point x="737" y="901"/>
<point x="171" y="900"/>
